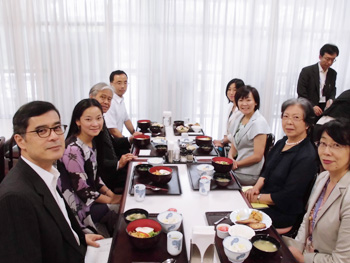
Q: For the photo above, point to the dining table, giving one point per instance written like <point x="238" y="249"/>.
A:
<point x="196" y="209"/>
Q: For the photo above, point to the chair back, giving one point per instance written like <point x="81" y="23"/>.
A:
<point x="12" y="152"/>
<point x="270" y="142"/>
<point x="2" y="158"/>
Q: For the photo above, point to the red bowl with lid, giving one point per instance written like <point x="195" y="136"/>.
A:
<point x="222" y="164"/>
<point x="142" y="141"/>
<point x="144" y="124"/>
<point x="203" y="140"/>
<point x="144" y="242"/>
<point x="160" y="178"/>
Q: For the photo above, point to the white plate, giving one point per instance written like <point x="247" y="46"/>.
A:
<point x="242" y="214"/>
<point x="159" y="141"/>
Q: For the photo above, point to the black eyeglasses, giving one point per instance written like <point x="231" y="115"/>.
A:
<point x="46" y="132"/>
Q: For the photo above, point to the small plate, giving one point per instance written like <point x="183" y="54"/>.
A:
<point x="242" y="214"/>
<point x="186" y="140"/>
<point x="159" y="141"/>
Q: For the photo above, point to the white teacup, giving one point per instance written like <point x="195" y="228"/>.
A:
<point x="174" y="242"/>
<point x="139" y="192"/>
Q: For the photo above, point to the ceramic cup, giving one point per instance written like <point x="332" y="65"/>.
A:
<point x="139" y="192"/>
<point x="204" y="186"/>
<point x="174" y="242"/>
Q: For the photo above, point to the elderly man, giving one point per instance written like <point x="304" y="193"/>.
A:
<point x="117" y="116"/>
<point x="36" y="225"/>
<point x="317" y="82"/>
<point x="115" y="156"/>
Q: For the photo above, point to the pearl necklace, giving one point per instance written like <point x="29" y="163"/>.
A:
<point x="293" y="143"/>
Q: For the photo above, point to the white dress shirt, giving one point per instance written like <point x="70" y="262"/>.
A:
<point x="50" y="179"/>
<point x="323" y="75"/>
<point x="117" y="114"/>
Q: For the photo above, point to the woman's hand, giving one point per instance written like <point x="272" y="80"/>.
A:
<point x="235" y="165"/>
<point x="92" y="238"/>
<point x="116" y="199"/>
<point x="125" y="159"/>
<point x="297" y="254"/>
<point x="252" y="194"/>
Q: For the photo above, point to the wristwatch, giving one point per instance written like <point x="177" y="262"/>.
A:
<point x="258" y="198"/>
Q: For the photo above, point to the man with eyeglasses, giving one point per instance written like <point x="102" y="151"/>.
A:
<point x="117" y="116"/>
<point x="317" y="82"/>
<point x="36" y="224"/>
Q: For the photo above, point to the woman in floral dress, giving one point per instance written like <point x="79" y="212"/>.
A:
<point x="93" y="204"/>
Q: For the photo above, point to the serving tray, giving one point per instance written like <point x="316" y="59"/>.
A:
<point x="123" y="251"/>
<point x="173" y="186"/>
<point x="194" y="179"/>
<point x="282" y="256"/>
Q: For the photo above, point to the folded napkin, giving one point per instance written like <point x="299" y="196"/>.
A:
<point x="146" y="152"/>
<point x="254" y="205"/>
<point x="203" y="237"/>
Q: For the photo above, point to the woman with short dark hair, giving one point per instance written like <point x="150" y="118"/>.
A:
<point x="290" y="168"/>
<point x="230" y="92"/>
<point x="249" y="132"/>
<point x="324" y="235"/>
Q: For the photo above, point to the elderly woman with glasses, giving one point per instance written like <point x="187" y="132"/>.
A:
<point x="290" y="168"/>
<point x="324" y="235"/>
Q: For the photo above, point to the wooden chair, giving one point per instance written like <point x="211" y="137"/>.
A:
<point x="2" y="158"/>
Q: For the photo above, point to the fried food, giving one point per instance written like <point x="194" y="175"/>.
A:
<point x="247" y="221"/>
<point x="256" y="215"/>
<point x="256" y="226"/>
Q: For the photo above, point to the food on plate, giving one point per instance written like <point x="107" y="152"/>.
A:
<point x="182" y="128"/>
<point x="161" y="172"/>
<point x="265" y="245"/>
<point x="191" y="147"/>
<point x="170" y="220"/>
<point x="223" y="228"/>
<point x="257" y="225"/>
<point x="135" y="216"/>
<point x="222" y="162"/>
<point x="238" y="247"/>
<point x="247" y="221"/>
<point x="254" y="220"/>
<point x="157" y="124"/>
<point x="223" y="180"/>
<point x="143" y="232"/>
<point x="256" y="215"/>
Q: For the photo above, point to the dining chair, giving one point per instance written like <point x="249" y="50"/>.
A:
<point x="12" y="152"/>
<point x="270" y="142"/>
<point x="295" y="228"/>
<point x="2" y="158"/>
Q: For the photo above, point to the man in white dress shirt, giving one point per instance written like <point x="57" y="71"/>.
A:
<point x="36" y="224"/>
<point x="117" y="116"/>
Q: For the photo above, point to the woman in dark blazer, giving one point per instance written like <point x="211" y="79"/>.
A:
<point x="290" y="167"/>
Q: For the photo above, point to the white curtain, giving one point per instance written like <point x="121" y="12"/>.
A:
<point x="178" y="54"/>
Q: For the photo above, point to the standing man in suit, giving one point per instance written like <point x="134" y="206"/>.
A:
<point x="317" y="82"/>
<point x="36" y="225"/>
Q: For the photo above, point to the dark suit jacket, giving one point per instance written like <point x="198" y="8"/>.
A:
<point x="340" y="107"/>
<point x="32" y="226"/>
<point x="309" y="84"/>
<point x="113" y="149"/>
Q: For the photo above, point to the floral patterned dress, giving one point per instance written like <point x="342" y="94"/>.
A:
<point x="79" y="182"/>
